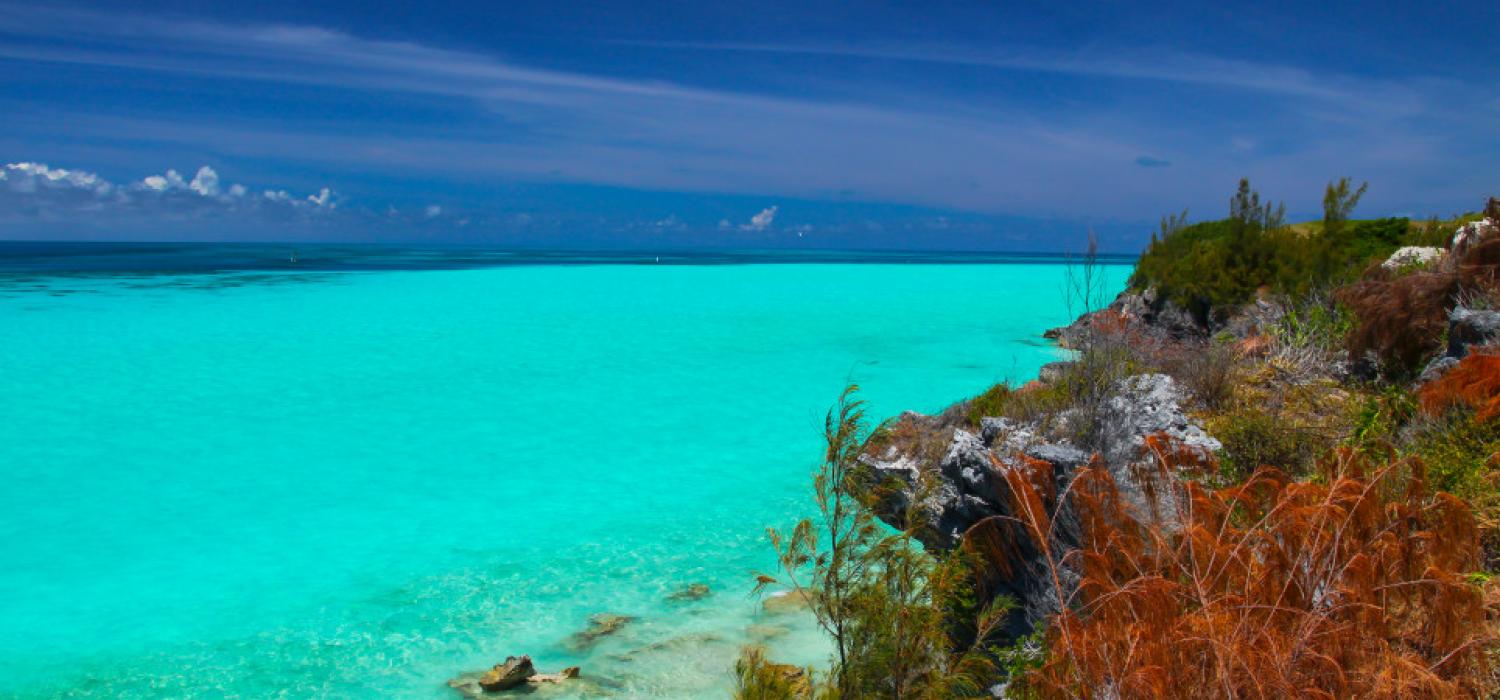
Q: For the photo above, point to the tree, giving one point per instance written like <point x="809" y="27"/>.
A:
<point x="1338" y="203"/>
<point x="1246" y="209"/>
<point x="890" y="608"/>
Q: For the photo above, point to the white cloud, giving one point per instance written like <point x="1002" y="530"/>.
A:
<point x="29" y="176"/>
<point x="206" y="182"/>
<point x="321" y="199"/>
<point x="434" y="211"/>
<point x="671" y="222"/>
<point x="161" y="183"/>
<point x="38" y="190"/>
<point x="761" y="221"/>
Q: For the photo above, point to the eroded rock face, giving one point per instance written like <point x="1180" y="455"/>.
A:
<point x="1472" y="233"/>
<point x="1143" y="311"/>
<point x="968" y="483"/>
<point x="1467" y="328"/>
<point x="510" y="674"/>
<point x="1470" y="327"/>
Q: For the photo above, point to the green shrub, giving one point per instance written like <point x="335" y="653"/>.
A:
<point x="1211" y="268"/>
<point x="993" y="402"/>
<point x="1253" y="437"/>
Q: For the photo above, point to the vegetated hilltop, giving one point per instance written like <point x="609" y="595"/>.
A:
<point x="1271" y="469"/>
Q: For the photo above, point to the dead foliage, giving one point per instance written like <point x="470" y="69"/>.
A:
<point x="1350" y="586"/>
<point x="1401" y="319"/>
<point x="1473" y="383"/>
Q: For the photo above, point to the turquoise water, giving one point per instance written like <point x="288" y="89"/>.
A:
<point x="361" y="484"/>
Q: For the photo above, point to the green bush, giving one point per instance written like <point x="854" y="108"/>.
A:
<point x="992" y="402"/>
<point x="1211" y="268"/>
<point x="1253" y="437"/>
<point x="1215" y="266"/>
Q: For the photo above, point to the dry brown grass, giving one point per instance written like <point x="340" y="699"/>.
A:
<point x="1474" y="383"/>
<point x="1401" y="319"/>
<point x="1351" y="586"/>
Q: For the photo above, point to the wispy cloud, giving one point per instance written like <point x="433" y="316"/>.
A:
<point x="1142" y="65"/>
<point x="906" y="143"/>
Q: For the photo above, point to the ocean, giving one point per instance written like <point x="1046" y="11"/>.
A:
<point x="362" y="473"/>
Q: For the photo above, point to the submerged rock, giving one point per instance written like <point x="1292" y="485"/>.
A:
<point x="600" y="626"/>
<point x="566" y="674"/>
<point x="676" y="647"/>
<point x="696" y="591"/>
<point x="787" y="602"/>
<point x="762" y="633"/>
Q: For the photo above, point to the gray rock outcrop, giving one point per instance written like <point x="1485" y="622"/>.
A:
<point x="1467" y="328"/>
<point x="1143" y="311"/>
<point x="968" y="485"/>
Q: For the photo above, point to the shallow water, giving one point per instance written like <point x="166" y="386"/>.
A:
<point x="359" y="484"/>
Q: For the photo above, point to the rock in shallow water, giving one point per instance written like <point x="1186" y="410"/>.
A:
<point x="510" y="674"/>
<point x="515" y="673"/>
<point x="600" y="626"/>
<point x="787" y="602"/>
<point x="697" y="591"/>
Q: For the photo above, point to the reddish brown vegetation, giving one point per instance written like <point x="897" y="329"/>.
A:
<point x="1474" y="383"/>
<point x="1401" y="319"/>
<point x="1349" y="587"/>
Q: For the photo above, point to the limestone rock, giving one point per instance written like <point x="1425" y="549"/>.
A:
<point x="1143" y="311"/>
<point x="1470" y="327"/>
<point x="510" y="674"/>
<point x="696" y="591"/>
<point x="600" y="626"/>
<point x="1053" y="371"/>
<point x="1411" y="255"/>
<point x="795" y="677"/>
<point x="762" y="633"/>
<point x="566" y="674"/>
<point x="516" y="672"/>
<point x="1467" y="328"/>
<point x="966" y="484"/>
<point x="787" y="602"/>
<point x="1470" y="234"/>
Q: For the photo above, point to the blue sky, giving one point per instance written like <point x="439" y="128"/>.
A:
<point x="655" y="124"/>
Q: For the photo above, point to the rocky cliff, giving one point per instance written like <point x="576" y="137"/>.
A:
<point x="957" y="473"/>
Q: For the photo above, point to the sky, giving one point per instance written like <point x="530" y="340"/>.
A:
<point x="672" y="124"/>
